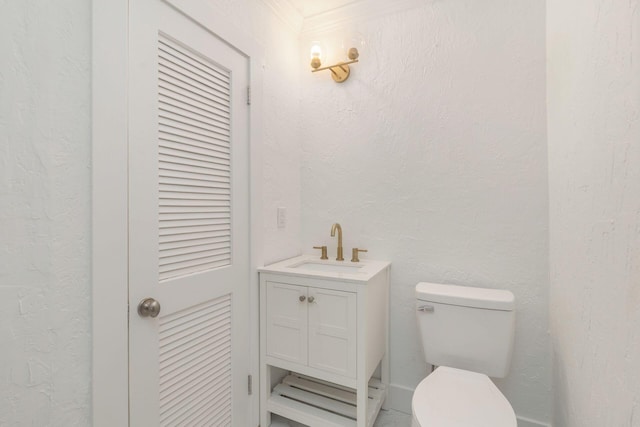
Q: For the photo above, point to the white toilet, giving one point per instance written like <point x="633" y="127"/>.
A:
<point x="468" y="333"/>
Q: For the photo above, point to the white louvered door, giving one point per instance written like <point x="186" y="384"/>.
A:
<point x="188" y="221"/>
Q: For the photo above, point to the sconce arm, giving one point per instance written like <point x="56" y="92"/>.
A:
<point x="334" y="66"/>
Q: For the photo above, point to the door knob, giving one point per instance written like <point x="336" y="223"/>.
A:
<point x="149" y="307"/>
<point x="312" y="299"/>
<point x="302" y="298"/>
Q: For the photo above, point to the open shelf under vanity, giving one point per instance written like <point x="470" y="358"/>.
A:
<point x="314" y="402"/>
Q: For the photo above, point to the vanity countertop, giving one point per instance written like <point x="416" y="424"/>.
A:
<point x="314" y="267"/>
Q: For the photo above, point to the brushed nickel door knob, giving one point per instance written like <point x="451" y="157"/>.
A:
<point x="149" y="307"/>
<point x="302" y="298"/>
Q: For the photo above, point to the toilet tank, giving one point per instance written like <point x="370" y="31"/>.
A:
<point x="466" y="328"/>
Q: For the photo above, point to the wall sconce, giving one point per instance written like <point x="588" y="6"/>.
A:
<point x="340" y="71"/>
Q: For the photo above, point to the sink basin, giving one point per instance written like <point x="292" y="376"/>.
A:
<point x="326" y="267"/>
<point x="310" y="266"/>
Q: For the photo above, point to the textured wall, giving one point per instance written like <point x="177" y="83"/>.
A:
<point x="433" y="156"/>
<point x="44" y="213"/>
<point x="594" y="177"/>
<point x="281" y="151"/>
<point x="45" y="194"/>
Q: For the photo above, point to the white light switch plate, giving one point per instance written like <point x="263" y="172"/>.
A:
<point x="282" y="217"/>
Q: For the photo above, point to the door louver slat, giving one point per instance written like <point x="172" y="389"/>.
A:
<point x="176" y="170"/>
<point x="203" y="241"/>
<point x="194" y="214"/>
<point x="190" y="229"/>
<point x="172" y="160"/>
<point x="186" y="237"/>
<point x="196" y="265"/>
<point x="190" y="149"/>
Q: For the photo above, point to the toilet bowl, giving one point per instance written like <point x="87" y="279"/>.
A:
<point x="451" y="397"/>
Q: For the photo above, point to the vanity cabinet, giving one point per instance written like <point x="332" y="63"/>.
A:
<point x="323" y="335"/>
<point x="311" y="326"/>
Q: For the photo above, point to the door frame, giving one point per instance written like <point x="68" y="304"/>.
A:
<point x="109" y="141"/>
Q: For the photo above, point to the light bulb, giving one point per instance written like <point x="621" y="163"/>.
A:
<point x="316" y="55"/>
<point x="352" y="44"/>
<point x="316" y="50"/>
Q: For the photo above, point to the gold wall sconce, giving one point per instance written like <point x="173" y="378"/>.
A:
<point x="340" y="71"/>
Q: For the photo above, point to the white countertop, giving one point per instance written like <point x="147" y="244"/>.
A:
<point x="313" y="266"/>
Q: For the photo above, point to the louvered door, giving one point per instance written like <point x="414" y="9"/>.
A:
<point x="188" y="226"/>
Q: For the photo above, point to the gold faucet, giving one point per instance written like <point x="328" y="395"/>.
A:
<point x="335" y="227"/>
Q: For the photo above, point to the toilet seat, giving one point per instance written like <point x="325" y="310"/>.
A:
<point x="452" y="397"/>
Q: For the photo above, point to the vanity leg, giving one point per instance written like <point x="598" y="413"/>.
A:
<point x="361" y="401"/>
<point x="362" y="382"/>
<point x="385" y="368"/>
<point x="265" y="391"/>
<point x="384" y="377"/>
<point x="265" y="370"/>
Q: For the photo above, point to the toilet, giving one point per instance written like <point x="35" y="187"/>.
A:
<point x="468" y="334"/>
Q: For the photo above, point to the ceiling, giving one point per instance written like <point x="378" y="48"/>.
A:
<point x="312" y="17"/>
<point x="313" y="7"/>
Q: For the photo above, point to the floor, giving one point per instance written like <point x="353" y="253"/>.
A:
<point x="393" y="419"/>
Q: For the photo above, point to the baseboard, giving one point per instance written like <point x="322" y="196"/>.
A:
<point x="399" y="399"/>
<point x="528" y="422"/>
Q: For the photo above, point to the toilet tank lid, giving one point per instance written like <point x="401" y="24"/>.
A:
<point x="466" y="296"/>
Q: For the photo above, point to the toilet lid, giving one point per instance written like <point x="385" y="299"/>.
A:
<point x="452" y="397"/>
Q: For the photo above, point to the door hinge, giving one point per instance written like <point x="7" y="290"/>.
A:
<point x="250" y="384"/>
<point x="248" y="95"/>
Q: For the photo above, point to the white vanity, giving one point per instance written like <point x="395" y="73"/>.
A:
<point x="324" y="328"/>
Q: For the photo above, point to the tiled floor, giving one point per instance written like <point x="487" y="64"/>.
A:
<point x="392" y="419"/>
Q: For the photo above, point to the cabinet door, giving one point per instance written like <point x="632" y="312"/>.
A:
<point x="287" y="322"/>
<point x="332" y="331"/>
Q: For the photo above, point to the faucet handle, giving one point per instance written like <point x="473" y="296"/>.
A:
<point x="354" y="254"/>
<point x="324" y="251"/>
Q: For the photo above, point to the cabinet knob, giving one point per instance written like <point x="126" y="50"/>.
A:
<point x="311" y="299"/>
<point x="302" y="298"/>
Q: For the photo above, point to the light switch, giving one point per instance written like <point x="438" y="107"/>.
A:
<point x="282" y="217"/>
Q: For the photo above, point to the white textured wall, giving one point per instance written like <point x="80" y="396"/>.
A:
<point x="281" y="151"/>
<point x="45" y="193"/>
<point x="45" y="235"/>
<point x="594" y="177"/>
<point x="433" y="156"/>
